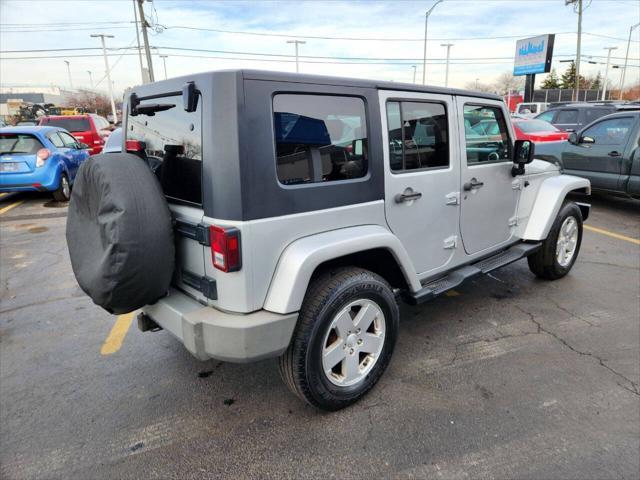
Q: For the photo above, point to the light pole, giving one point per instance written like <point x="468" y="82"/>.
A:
<point x="164" y="63"/>
<point x="296" y="43"/>
<point x="424" y="51"/>
<point x="106" y="66"/>
<point x="90" y="79"/>
<point x="69" y="73"/>
<point x="606" y="72"/>
<point x="414" y="73"/>
<point x="477" y="83"/>
<point x="626" y="59"/>
<point x="446" y="70"/>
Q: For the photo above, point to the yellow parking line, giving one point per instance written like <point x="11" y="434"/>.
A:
<point x="612" y="234"/>
<point x="10" y="206"/>
<point x="116" y="336"/>
<point x="4" y="194"/>
<point x="452" y="293"/>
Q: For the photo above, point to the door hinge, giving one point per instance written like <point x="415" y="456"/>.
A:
<point x="450" y="242"/>
<point x="516" y="184"/>
<point x="452" y="198"/>
<point x="513" y="221"/>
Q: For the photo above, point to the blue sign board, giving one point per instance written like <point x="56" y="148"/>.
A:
<point x="533" y="55"/>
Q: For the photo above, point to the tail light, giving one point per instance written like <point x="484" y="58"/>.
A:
<point x="134" y="146"/>
<point x="225" y="248"/>
<point x="42" y="156"/>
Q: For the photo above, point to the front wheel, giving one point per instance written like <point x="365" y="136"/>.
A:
<point x="560" y="250"/>
<point x="63" y="192"/>
<point x="344" y="338"/>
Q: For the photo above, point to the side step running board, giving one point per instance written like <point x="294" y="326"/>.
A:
<point x="460" y="275"/>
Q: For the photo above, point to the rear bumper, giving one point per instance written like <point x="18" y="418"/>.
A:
<point x="210" y="333"/>
<point x="44" y="179"/>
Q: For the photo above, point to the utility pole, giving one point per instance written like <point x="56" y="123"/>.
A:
<point x="477" y="83"/>
<point x="626" y="60"/>
<point x="69" y="73"/>
<point x="164" y="62"/>
<point x="579" y="10"/>
<point x="145" y="39"/>
<point x="606" y="72"/>
<point x="446" y="71"/>
<point x="102" y="36"/>
<point x="135" y="15"/>
<point x="424" y="51"/>
<point x="90" y="79"/>
<point x="414" y="73"/>
<point x="296" y="43"/>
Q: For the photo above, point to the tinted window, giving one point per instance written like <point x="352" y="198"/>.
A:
<point x="56" y="140"/>
<point x="567" y="117"/>
<point x="532" y="126"/>
<point x="173" y="144"/>
<point x="592" y="114"/>
<point x="13" y="143"/>
<point x="486" y="134"/>
<point x="418" y="135"/>
<point x="319" y="138"/>
<point x="70" y="124"/>
<point x="614" y="131"/>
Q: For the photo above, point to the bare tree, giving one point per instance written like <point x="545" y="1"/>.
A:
<point x="92" y="102"/>
<point x="480" y="87"/>
<point x="506" y="83"/>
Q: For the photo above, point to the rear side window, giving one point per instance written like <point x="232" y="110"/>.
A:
<point x="173" y="144"/>
<point x="17" y="143"/>
<point x="319" y="138"/>
<point x="567" y="117"/>
<point x="56" y="140"/>
<point x="70" y="124"/>
<point x="486" y="135"/>
<point x="418" y="136"/>
<point x="546" y="116"/>
<point x="592" y="114"/>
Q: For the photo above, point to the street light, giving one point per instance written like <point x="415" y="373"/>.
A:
<point x="296" y="43"/>
<point x="626" y="59"/>
<point x="414" y="73"/>
<point x="102" y="36"/>
<point x="446" y="71"/>
<point x="606" y="72"/>
<point x="424" y="51"/>
<point x="164" y="62"/>
<point x="69" y="73"/>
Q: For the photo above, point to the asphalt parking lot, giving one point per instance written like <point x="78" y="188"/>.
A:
<point x="508" y="377"/>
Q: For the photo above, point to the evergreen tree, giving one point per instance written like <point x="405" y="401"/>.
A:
<point x="597" y="82"/>
<point x="551" y="81"/>
<point x="568" y="79"/>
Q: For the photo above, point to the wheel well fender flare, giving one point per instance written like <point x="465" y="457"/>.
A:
<point x="300" y="259"/>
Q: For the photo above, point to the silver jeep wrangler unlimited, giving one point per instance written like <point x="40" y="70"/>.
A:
<point x="261" y="214"/>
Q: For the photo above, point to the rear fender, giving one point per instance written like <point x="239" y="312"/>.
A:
<point x="549" y="199"/>
<point x="301" y="258"/>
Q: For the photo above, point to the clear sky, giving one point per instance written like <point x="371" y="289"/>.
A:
<point x="185" y="31"/>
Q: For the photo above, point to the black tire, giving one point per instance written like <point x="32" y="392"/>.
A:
<point x="119" y="233"/>
<point x="544" y="263"/>
<point x="63" y="192"/>
<point x="301" y="365"/>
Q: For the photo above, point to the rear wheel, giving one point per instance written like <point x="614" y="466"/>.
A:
<point x="63" y="192"/>
<point x="344" y="338"/>
<point x="560" y="250"/>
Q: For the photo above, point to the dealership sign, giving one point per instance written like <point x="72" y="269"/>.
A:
<point x="533" y="55"/>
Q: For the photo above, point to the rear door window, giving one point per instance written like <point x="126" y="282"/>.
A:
<point x="592" y="114"/>
<point x="319" y="138"/>
<point x="56" y="140"/>
<point x="567" y="117"/>
<point x="486" y="135"/>
<point x="172" y="140"/>
<point x="69" y="124"/>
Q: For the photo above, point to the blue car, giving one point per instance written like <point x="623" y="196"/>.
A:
<point x="42" y="159"/>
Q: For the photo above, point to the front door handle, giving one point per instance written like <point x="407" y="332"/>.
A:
<point x="473" y="183"/>
<point x="407" y="197"/>
<point x="614" y="154"/>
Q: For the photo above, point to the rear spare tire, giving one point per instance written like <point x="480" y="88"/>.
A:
<point x="119" y="233"/>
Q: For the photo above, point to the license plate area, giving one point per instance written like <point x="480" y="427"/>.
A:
<point x="9" y="167"/>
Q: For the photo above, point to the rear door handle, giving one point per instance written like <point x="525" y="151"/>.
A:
<point x="473" y="183"/>
<point x="407" y="197"/>
<point x="614" y="154"/>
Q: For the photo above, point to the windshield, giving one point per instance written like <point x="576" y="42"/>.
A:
<point x="19" y="143"/>
<point x="69" y="124"/>
<point x="533" y="126"/>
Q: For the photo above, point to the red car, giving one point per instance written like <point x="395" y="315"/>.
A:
<point x="537" y="131"/>
<point x="91" y="129"/>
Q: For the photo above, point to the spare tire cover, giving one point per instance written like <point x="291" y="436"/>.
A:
<point x="119" y="233"/>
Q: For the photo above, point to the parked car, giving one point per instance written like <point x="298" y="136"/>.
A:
<point x="606" y="152"/>
<point x="39" y="159"/>
<point x="114" y="142"/>
<point x="89" y="128"/>
<point x="574" y="116"/>
<point x="289" y="212"/>
<point x="531" y="109"/>
<point x="537" y="131"/>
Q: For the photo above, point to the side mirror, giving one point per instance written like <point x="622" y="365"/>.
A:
<point x="573" y="138"/>
<point x="587" y="140"/>
<point x="523" y="153"/>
